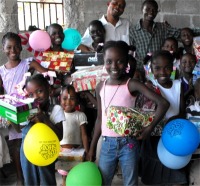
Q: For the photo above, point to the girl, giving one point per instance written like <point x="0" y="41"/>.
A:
<point x="188" y="62"/>
<point x="153" y="172"/>
<point x="38" y="88"/>
<point x="11" y="73"/>
<point x="120" y="90"/>
<point x="74" y="128"/>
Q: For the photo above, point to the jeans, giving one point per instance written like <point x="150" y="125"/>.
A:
<point x="124" y="150"/>
<point x="36" y="175"/>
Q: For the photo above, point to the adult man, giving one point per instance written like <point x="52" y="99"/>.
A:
<point x="117" y="28"/>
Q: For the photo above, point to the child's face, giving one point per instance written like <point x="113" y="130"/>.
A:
<point x="186" y="37"/>
<point x="68" y="101"/>
<point x="115" y="62"/>
<point x="149" y="12"/>
<point x="170" y="46"/>
<point x="187" y="64"/>
<point x="56" y="34"/>
<point x="116" y="7"/>
<point x="97" y="34"/>
<point x="12" y="49"/>
<point x="162" y="69"/>
<point x="39" y="92"/>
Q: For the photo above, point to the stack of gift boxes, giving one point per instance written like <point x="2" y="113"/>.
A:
<point x="196" y="46"/>
<point x="17" y="110"/>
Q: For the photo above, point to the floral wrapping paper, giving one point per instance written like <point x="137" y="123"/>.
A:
<point x="127" y="121"/>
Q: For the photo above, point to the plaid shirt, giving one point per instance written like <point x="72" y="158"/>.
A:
<point x="148" y="42"/>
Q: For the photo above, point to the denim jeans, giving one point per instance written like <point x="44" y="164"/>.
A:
<point x="36" y="175"/>
<point x="124" y="150"/>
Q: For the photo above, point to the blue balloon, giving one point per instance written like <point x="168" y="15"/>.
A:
<point x="169" y="160"/>
<point x="72" y="39"/>
<point x="180" y="137"/>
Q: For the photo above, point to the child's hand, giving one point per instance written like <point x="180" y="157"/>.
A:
<point x="144" y="132"/>
<point x="90" y="156"/>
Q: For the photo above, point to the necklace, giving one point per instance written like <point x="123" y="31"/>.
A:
<point x="106" y="107"/>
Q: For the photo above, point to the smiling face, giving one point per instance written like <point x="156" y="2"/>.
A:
<point x="170" y="45"/>
<point x="187" y="63"/>
<point x="68" y="100"/>
<point x="56" y="34"/>
<point x="162" y="69"/>
<point x="149" y="11"/>
<point x="186" y="37"/>
<point x="12" y="49"/>
<point x="97" y="33"/>
<point x="115" y="62"/>
<point x="116" y="8"/>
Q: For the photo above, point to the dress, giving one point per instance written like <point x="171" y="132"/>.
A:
<point x="118" y="32"/>
<point x="116" y="148"/>
<point x="152" y="170"/>
<point x="11" y="77"/>
<point x="40" y="175"/>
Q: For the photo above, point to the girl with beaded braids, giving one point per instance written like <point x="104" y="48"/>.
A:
<point x="120" y="90"/>
<point x="37" y="87"/>
<point x="11" y="74"/>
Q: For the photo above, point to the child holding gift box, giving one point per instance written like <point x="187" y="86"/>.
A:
<point x="120" y="90"/>
<point x="52" y="115"/>
<point x="74" y="129"/>
<point x="11" y="73"/>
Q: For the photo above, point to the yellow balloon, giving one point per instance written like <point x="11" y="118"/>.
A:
<point x="41" y="145"/>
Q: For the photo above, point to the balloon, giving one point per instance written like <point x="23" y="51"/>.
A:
<point x="84" y="174"/>
<point x="180" y="137"/>
<point x="72" y="39"/>
<point x="41" y="145"/>
<point x="39" y="40"/>
<point x="169" y="160"/>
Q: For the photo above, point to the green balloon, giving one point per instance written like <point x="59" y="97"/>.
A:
<point x="84" y="174"/>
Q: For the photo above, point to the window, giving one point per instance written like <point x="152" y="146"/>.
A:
<point x="39" y="13"/>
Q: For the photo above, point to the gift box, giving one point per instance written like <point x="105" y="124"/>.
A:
<point x="58" y="61"/>
<point x="127" y="121"/>
<point x="15" y="109"/>
<point x="88" y="59"/>
<point x="88" y="78"/>
<point x="196" y="46"/>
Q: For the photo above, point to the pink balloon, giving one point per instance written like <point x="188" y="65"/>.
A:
<point x="39" y="40"/>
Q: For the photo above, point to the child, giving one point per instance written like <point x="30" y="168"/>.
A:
<point x="186" y="38"/>
<point x="38" y="88"/>
<point x="193" y="114"/>
<point x="97" y="33"/>
<point x="153" y="172"/>
<point x="171" y="45"/>
<point x="11" y="73"/>
<point x="187" y="64"/>
<point x="74" y="128"/>
<point x="120" y="90"/>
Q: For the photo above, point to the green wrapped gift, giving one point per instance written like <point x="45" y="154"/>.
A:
<point x="127" y="121"/>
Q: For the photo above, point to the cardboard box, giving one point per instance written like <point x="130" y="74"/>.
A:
<point x="58" y="61"/>
<point x="17" y="105"/>
<point x="16" y="117"/>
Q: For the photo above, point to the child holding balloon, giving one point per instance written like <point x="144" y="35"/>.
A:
<point x="37" y="87"/>
<point x="74" y="128"/>
<point x="152" y="170"/>
<point x="12" y="73"/>
<point x="120" y="90"/>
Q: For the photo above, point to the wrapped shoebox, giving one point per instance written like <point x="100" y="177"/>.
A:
<point x="17" y="110"/>
<point x="196" y="71"/>
<point x="88" y="78"/>
<point x="196" y="46"/>
<point x="58" y="61"/>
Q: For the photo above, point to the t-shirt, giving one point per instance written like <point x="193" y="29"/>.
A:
<point x="71" y="128"/>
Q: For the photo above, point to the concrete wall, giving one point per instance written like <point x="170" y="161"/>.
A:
<point x="78" y="13"/>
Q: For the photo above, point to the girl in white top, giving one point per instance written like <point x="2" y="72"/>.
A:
<point x="74" y="128"/>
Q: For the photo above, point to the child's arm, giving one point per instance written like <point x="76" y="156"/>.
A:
<point x="84" y="138"/>
<point x="162" y="105"/>
<point x="97" y="128"/>
<point x="36" y="66"/>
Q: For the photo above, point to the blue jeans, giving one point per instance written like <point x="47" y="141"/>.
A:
<point x="124" y="150"/>
<point x="36" y="175"/>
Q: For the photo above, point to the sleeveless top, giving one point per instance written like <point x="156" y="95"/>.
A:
<point x="115" y="95"/>
<point x="11" y="77"/>
<point x="172" y="95"/>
